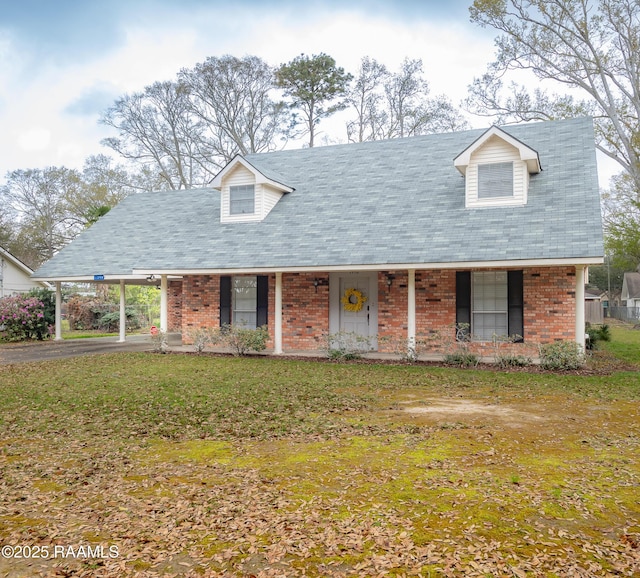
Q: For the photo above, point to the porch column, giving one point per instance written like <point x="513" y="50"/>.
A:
<point x="164" y="316"/>
<point x="58" y="318"/>
<point x="123" y="313"/>
<point x="580" y="319"/>
<point x="411" y="311"/>
<point x="277" y="338"/>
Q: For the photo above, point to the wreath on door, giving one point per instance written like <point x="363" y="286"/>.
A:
<point x="353" y="300"/>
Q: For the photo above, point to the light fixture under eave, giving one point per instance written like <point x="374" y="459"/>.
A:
<point x="390" y="279"/>
<point x="151" y="278"/>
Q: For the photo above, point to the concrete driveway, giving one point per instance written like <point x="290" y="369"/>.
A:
<point x="44" y="350"/>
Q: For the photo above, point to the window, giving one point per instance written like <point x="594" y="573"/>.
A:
<point x="244" y="301"/>
<point x="490" y="305"/>
<point x="242" y="200"/>
<point x="495" y="180"/>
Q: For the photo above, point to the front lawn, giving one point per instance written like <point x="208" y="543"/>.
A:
<point x="184" y="465"/>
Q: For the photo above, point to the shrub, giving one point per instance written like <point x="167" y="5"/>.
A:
<point x="346" y="345"/>
<point x="203" y="336"/>
<point x="561" y="355"/>
<point x="596" y="334"/>
<point x="110" y="322"/>
<point x="23" y="318"/>
<point x="159" y="340"/>
<point x="48" y="300"/>
<point x="241" y="340"/>
<point x="461" y="359"/>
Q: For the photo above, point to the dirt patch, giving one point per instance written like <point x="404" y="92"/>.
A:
<point x="468" y="407"/>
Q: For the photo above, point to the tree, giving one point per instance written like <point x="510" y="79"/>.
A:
<point x="103" y="185"/>
<point x="411" y="111"/>
<point x="232" y="97"/>
<point x="621" y="219"/>
<point x="589" y="47"/>
<point x="366" y="98"/>
<point x="38" y="201"/>
<point x="396" y="105"/>
<point x="316" y="87"/>
<point x="158" y="130"/>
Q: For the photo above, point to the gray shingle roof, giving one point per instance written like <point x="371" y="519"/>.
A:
<point x="374" y="203"/>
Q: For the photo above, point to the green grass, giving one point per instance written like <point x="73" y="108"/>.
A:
<point x="625" y="343"/>
<point x="238" y="466"/>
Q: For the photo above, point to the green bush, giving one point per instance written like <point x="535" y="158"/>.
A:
<point x="461" y="358"/>
<point x="561" y="355"/>
<point x="242" y="340"/>
<point x="110" y="322"/>
<point x="509" y="360"/>
<point x="596" y="334"/>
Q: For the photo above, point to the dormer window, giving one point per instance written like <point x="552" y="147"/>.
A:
<point x="246" y="193"/>
<point x="495" y="180"/>
<point x="242" y="200"/>
<point x="496" y="169"/>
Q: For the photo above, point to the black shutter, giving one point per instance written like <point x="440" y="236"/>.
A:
<point x="263" y="300"/>
<point x="463" y="301"/>
<point x="225" y="300"/>
<point x="515" y="292"/>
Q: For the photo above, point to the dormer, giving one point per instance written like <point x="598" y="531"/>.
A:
<point x="246" y="194"/>
<point x="496" y="168"/>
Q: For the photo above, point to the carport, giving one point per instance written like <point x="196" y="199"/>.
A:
<point x="160" y="281"/>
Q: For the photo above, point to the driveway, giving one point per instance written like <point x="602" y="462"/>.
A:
<point x="44" y="350"/>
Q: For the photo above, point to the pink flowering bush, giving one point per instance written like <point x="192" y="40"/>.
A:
<point x="22" y="317"/>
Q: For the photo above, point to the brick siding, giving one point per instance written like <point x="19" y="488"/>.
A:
<point x="549" y="311"/>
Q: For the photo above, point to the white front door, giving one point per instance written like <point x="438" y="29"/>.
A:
<point x="364" y="321"/>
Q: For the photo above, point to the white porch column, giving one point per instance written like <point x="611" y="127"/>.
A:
<point x="123" y="313"/>
<point x="58" y="319"/>
<point x="164" y="291"/>
<point x="580" y="316"/>
<point x="277" y="338"/>
<point x="411" y="311"/>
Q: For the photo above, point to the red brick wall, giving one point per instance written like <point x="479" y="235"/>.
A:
<point x="305" y="311"/>
<point x="174" y="305"/>
<point x="549" y="304"/>
<point x="549" y="294"/>
<point x="200" y="303"/>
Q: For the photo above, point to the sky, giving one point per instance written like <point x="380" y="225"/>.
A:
<point x="64" y="62"/>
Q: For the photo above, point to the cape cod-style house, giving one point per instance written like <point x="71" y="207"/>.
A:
<point x="493" y="229"/>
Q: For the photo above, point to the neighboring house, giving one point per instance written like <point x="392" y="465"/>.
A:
<point x="388" y="239"/>
<point x="631" y="290"/>
<point x="15" y="276"/>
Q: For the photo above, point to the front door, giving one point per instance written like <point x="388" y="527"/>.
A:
<point x="354" y="306"/>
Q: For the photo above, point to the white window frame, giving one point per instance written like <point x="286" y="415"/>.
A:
<point x="244" y="310"/>
<point x="494" y="301"/>
<point x="240" y="206"/>
<point x="495" y="180"/>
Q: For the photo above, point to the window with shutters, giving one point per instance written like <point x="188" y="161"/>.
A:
<point x="490" y="303"/>
<point x="490" y="306"/>
<point x="244" y="299"/>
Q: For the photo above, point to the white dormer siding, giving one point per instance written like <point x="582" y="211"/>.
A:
<point x="265" y="197"/>
<point x="496" y="151"/>
<point x="266" y="191"/>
